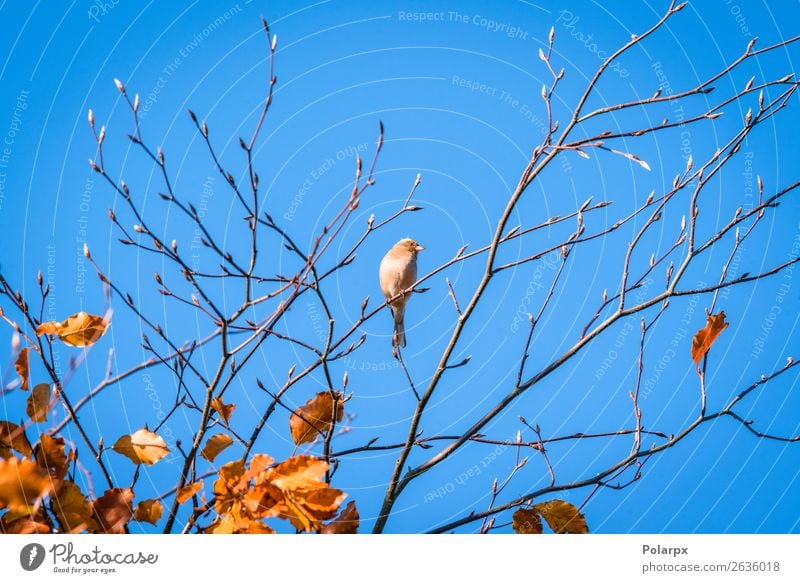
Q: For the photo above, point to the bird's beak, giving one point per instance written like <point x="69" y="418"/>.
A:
<point x="419" y="248"/>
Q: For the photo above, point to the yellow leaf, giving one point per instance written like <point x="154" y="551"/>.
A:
<point x="345" y="523"/>
<point x="224" y="411"/>
<point x="562" y="517"/>
<point x="215" y="445"/>
<point x="315" y="417"/>
<point x="73" y="510"/>
<point x="188" y="491"/>
<point x="142" y="447"/>
<point x="148" y="511"/>
<point x="13" y="436"/>
<point x="704" y="338"/>
<point x="22" y="484"/>
<point x="113" y="510"/>
<point x="526" y="521"/>
<point x="79" y="329"/>
<point x="22" y="366"/>
<point x="39" y="403"/>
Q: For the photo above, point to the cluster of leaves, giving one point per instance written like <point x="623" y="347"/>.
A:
<point x="244" y="495"/>
<point x="562" y="517"/>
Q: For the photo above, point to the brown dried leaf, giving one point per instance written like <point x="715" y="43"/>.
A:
<point x="562" y="517"/>
<point x="224" y="411"/>
<point x="215" y="445"/>
<point x="526" y="521"/>
<point x="12" y="436"/>
<point x="113" y="510"/>
<point x="142" y="447"/>
<point x="22" y="484"/>
<point x="188" y="491"/>
<point x="79" y="329"/>
<point x="297" y="483"/>
<point x="73" y="511"/>
<point x="49" y="454"/>
<point x="22" y="366"/>
<point x="345" y="523"/>
<point x="704" y="338"/>
<point x="315" y="417"/>
<point x="39" y="403"/>
<point x="235" y="496"/>
<point x="24" y="525"/>
<point x="148" y="511"/>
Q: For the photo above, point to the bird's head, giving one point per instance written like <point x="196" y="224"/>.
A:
<point x="411" y="245"/>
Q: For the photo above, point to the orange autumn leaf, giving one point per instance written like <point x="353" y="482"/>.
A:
<point x="562" y="517"/>
<point x="298" y="484"/>
<point x="49" y="454"/>
<point x="237" y="524"/>
<point x="235" y="498"/>
<point x="526" y="521"/>
<point x="24" y="525"/>
<point x="142" y="447"/>
<point x="188" y="491"/>
<point x="38" y="404"/>
<point x="315" y="417"/>
<point x="22" y="484"/>
<point x="148" y="511"/>
<point x="704" y="338"/>
<point x="257" y="527"/>
<point x="345" y="523"/>
<point x="215" y="445"/>
<point x="224" y="411"/>
<point x="79" y="329"/>
<point x="12" y="436"/>
<point x="113" y="510"/>
<point x="22" y="366"/>
<point x="73" y="511"/>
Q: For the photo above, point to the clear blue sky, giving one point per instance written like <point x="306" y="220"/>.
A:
<point x="459" y="96"/>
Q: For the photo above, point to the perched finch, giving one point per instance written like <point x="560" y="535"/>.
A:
<point x="399" y="272"/>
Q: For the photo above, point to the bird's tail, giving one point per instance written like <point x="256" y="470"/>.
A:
<point x="399" y="325"/>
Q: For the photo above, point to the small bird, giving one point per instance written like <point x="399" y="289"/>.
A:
<point x="398" y="272"/>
